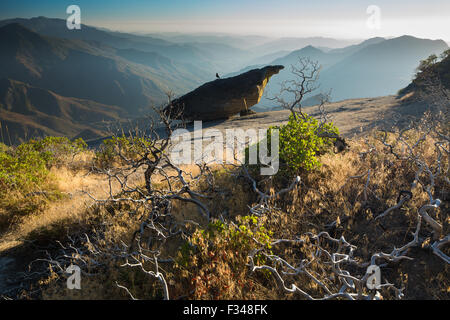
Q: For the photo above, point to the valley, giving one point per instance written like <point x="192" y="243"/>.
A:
<point x="127" y="75"/>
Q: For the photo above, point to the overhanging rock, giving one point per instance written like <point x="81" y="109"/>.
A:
<point x="222" y="98"/>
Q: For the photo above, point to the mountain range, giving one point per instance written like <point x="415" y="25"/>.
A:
<point x="375" y="67"/>
<point x="73" y="82"/>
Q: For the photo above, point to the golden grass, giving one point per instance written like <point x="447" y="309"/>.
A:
<point x="53" y="216"/>
<point x="324" y="196"/>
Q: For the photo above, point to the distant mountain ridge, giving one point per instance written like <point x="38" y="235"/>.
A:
<point x="68" y="82"/>
<point x="61" y="86"/>
<point x="292" y="44"/>
<point x="76" y="68"/>
<point x="379" y="69"/>
<point x="200" y="55"/>
<point x="314" y="53"/>
<point x="375" y="67"/>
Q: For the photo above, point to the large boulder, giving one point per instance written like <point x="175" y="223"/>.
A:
<point x="222" y="98"/>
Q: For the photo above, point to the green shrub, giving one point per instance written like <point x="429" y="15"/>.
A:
<point x="250" y="233"/>
<point x="26" y="167"/>
<point x="117" y="149"/>
<point x="302" y="141"/>
<point x="53" y="150"/>
<point x="3" y="147"/>
<point x="21" y="171"/>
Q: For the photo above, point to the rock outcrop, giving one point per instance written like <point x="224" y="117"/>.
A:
<point x="223" y="98"/>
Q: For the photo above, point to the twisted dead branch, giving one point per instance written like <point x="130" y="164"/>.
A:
<point x="343" y="275"/>
<point x="342" y="265"/>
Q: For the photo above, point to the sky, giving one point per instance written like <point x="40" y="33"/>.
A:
<point x="345" y="19"/>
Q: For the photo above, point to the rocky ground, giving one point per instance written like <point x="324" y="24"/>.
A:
<point x="352" y="117"/>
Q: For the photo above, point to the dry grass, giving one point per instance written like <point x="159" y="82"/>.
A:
<point x="330" y="195"/>
<point x="216" y="268"/>
<point x="54" y="214"/>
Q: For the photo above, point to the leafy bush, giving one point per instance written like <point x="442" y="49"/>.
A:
<point x="24" y="172"/>
<point x="3" y="147"/>
<point x="113" y="149"/>
<point x="302" y="141"/>
<point x="21" y="170"/>
<point x="53" y="150"/>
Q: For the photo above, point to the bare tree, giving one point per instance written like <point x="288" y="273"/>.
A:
<point x="305" y="83"/>
<point x="306" y="74"/>
<point x="150" y="158"/>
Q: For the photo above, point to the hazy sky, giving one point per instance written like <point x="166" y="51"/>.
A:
<point x="333" y="18"/>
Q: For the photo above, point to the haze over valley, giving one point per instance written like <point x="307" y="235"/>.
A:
<point x="127" y="73"/>
<point x="224" y="150"/>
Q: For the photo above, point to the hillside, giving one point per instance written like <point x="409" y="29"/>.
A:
<point x="353" y="117"/>
<point x="91" y="71"/>
<point x="208" y="56"/>
<point x="355" y="198"/>
<point x="65" y="197"/>
<point x="181" y="75"/>
<point x="433" y="70"/>
<point x="75" y="69"/>
<point x="238" y="158"/>
<point x="27" y="111"/>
